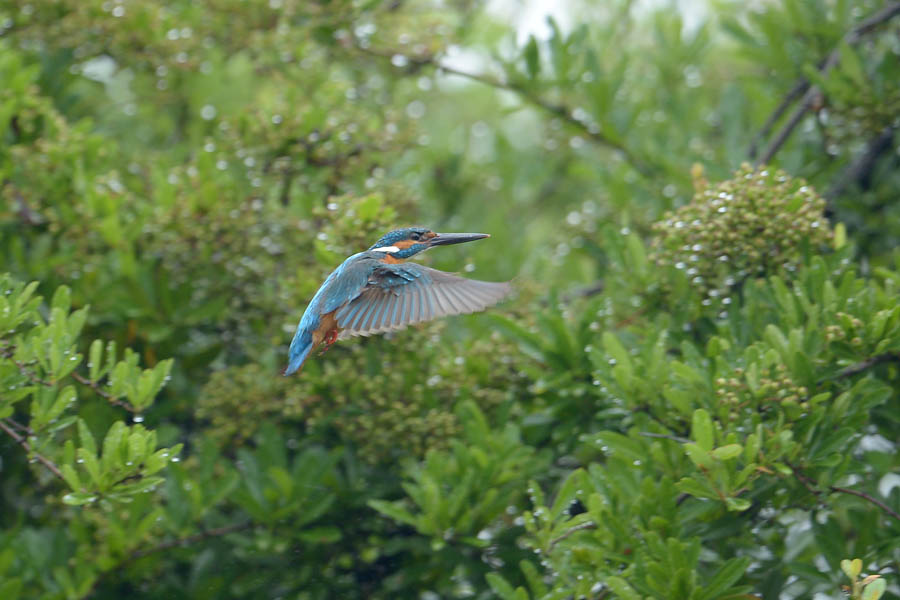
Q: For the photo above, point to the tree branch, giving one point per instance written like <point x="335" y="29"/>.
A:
<point x="101" y="392"/>
<point x="187" y="541"/>
<point x="7" y="352"/>
<point x="176" y="543"/>
<point x="860" y="170"/>
<point x="666" y="436"/>
<point x="796" y="92"/>
<point x="810" y="484"/>
<point x="813" y="92"/>
<point x="582" y="527"/>
<point x="864" y="365"/>
<point x="558" y="110"/>
<point x="868" y="498"/>
<point x="24" y="443"/>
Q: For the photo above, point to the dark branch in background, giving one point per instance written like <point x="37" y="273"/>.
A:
<point x="176" y="543"/>
<point x="867" y="498"/>
<point x="558" y="110"/>
<point x="861" y="169"/>
<point x="812" y="92"/>
<point x="811" y="484"/>
<point x="187" y="541"/>
<point x="4" y="425"/>
<point x="584" y="292"/>
<point x="582" y="527"/>
<point x="796" y="92"/>
<point x="865" y="365"/>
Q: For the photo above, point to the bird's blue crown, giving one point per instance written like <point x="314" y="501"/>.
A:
<point x="407" y="241"/>
<point x="399" y="235"/>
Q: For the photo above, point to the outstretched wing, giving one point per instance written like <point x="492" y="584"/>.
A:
<point x="400" y="295"/>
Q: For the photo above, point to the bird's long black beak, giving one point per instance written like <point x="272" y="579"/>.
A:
<point x="445" y="239"/>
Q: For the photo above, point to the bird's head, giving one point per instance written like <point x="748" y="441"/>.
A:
<point x="404" y="243"/>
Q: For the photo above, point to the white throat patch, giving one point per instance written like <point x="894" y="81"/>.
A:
<point x="388" y="249"/>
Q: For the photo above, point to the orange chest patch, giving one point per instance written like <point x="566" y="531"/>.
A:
<point x="391" y="260"/>
<point x="327" y="324"/>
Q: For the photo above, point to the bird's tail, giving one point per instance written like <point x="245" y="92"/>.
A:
<point x="301" y="346"/>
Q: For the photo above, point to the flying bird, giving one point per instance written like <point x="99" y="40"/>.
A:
<point x="376" y="291"/>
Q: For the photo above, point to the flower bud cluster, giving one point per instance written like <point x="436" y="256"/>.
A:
<point x="751" y="225"/>
<point x="847" y="329"/>
<point x="776" y="387"/>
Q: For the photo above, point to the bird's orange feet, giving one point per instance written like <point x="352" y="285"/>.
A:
<point x="330" y="338"/>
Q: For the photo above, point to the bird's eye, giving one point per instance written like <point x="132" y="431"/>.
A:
<point x="415" y="236"/>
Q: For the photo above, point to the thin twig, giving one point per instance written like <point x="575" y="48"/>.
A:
<point x="24" y="443"/>
<point x="803" y="479"/>
<point x="665" y="436"/>
<point x="177" y="543"/>
<point x="862" y="167"/>
<point x="864" y="496"/>
<point x="813" y="92"/>
<point x="796" y="92"/>
<point x="864" y="365"/>
<point x="582" y="527"/>
<point x="7" y="352"/>
<point x="558" y="110"/>
<point x="187" y="541"/>
<point x="101" y="392"/>
<point x="810" y="484"/>
<point x="23" y="428"/>
<point x="584" y="292"/>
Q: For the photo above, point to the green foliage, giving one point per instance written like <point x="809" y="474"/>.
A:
<point x="694" y="394"/>
<point x="462" y="491"/>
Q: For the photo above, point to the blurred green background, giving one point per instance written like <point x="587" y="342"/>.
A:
<point x="693" y="395"/>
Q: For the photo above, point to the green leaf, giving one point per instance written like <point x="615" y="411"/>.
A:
<point x="702" y="429"/>
<point x="394" y="511"/>
<point x="616" y="350"/>
<point x="727" y="452"/>
<point x="851" y="568"/>
<point x="534" y="579"/>
<point x="95" y="360"/>
<point x="737" y="504"/>
<point x="566" y="493"/>
<point x="621" y="446"/>
<point x="70" y="475"/>
<point x="637" y="255"/>
<point x="695" y="488"/>
<point x="622" y="589"/>
<point x="874" y="590"/>
<point x="91" y="465"/>
<point x="840" y="236"/>
<point x="852" y="66"/>
<point x="78" y="498"/>
<point x="700" y="457"/>
<point x="112" y="457"/>
<point x="725" y="577"/>
<point x="503" y="589"/>
<point x="86" y="438"/>
<point x="62" y="299"/>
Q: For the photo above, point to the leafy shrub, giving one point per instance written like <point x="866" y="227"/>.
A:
<point x="178" y="179"/>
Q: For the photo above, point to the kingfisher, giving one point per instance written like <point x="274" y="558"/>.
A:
<point x="375" y="291"/>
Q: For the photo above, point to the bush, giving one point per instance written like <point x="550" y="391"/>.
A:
<point x="693" y="394"/>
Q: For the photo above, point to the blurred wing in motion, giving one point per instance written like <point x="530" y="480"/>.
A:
<point x="400" y="295"/>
